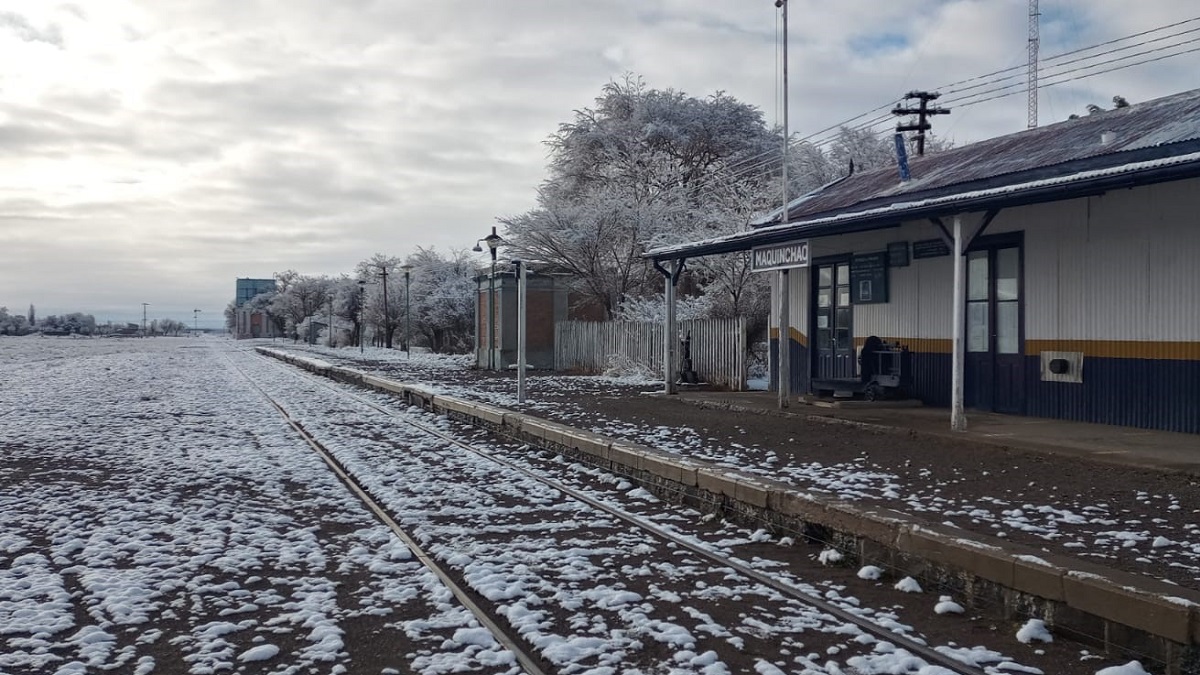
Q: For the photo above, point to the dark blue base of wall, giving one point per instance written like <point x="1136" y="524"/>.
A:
<point x="799" y="366"/>
<point x="1144" y="393"/>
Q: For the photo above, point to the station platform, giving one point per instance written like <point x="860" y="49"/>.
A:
<point x="1141" y="448"/>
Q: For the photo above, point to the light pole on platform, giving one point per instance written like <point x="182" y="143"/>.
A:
<point x="195" y="323"/>
<point x="362" y="313"/>
<point x="407" y="324"/>
<point x="493" y="242"/>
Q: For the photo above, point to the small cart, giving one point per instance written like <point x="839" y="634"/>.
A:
<point x="885" y="372"/>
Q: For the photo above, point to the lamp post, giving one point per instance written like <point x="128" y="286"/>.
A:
<point x="407" y="324"/>
<point x="144" y="306"/>
<point x="329" y="340"/>
<point x="362" y="288"/>
<point x="196" y="322"/>
<point x="387" y="317"/>
<point x="521" y="332"/>
<point x="493" y="242"/>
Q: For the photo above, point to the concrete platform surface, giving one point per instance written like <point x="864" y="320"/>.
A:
<point x="1143" y="448"/>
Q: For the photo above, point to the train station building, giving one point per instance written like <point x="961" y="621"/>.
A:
<point x="1075" y="293"/>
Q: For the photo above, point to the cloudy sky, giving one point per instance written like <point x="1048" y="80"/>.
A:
<point x="155" y="150"/>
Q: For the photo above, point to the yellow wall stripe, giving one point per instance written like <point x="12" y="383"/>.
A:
<point x="1097" y="349"/>
<point x="796" y="336"/>
<point x="1119" y="349"/>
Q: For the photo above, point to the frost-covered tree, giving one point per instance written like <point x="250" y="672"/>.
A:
<point x="348" y="306"/>
<point x="384" y="301"/>
<point x="171" y="327"/>
<point x="298" y="297"/>
<point x="635" y="170"/>
<point x="12" y="324"/>
<point x="231" y="316"/>
<point x="442" y="299"/>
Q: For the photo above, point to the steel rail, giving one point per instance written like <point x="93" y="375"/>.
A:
<point x="914" y="646"/>
<point x="527" y="660"/>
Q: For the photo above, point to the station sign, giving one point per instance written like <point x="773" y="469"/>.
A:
<point x="779" y="256"/>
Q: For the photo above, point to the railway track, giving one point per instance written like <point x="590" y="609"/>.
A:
<point x="531" y="660"/>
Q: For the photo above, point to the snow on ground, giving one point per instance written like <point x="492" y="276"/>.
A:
<point x="1097" y="529"/>
<point x="157" y="516"/>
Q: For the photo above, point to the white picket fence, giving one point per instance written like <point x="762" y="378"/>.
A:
<point x="718" y="347"/>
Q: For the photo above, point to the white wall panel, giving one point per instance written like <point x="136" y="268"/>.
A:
<point x="1123" y="266"/>
<point x="1174" y="271"/>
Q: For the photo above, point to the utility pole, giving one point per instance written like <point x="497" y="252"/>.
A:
<point x="1034" y="41"/>
<point x="196" y="322"/>
<point x="407" y="324"/>
<point x="785" y="322"/>
<point x="782" y="5"/>
<point x="387" y="318"/>
<point x="362" y="313"/>
<point x="922" y="112"/>
<point x="144" y="306"/>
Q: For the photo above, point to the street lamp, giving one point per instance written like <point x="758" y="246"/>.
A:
<point x="196" y="322"/>
<point x="522" y="267"/>
<point x="493" y="241"/>
<point x="387" y="317"/>
<point x="362" y="288"/>
<point x="144" y="306"/>
<point x="407" y="324"/>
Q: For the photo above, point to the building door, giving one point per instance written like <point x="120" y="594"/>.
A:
<point x="995" y="331"/>
<point x="834" y="351"/>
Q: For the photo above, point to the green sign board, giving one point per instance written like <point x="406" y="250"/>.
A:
<point x="869" y="278"/>
<point x="929" y="248"/>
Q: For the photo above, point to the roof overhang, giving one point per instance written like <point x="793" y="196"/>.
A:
<point x="1082" y="184"/>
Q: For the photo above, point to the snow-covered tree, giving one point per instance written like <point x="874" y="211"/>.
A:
<point x="442" y="299"/>
<point x="231" y="316"/>
<point x="636" y="170"/>
<point x="11" y="324"/>
<point x="298" y="297"/>
<point x="348" y="306"/>
<point x="385" y="295"/>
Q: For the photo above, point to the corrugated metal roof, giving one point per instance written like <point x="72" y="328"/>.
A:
<point x="1108" y="138"/>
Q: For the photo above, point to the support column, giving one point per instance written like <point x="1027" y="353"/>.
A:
<point x="958" y="419"/>
<point x="670" y="337"/>
<point x="521" y="313"/>
<point x="785" y="340"/>
<point x="669" y="333"/>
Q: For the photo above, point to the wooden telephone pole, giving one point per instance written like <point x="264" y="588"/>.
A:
<point x="922" y="112"/>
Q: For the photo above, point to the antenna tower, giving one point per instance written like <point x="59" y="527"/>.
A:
<point x="1034" y="40"/>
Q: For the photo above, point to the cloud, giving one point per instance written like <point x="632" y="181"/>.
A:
<point x="155" y="151"/>
<point x="25" y="30"/>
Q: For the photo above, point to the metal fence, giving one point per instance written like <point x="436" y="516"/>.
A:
<point x="718" y="347"/>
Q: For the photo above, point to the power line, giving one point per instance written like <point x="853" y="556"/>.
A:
<point x="1091" y="66"/>
<point x="1081" y="59"/>
<point x="828" y="135"/>
<point x="946" y="88"/>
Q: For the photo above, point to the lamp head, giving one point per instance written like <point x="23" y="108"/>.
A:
<point x="478" y="248"/>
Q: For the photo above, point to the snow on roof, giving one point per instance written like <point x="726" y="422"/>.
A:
<point x="1088" y="142"/>
<point x="898" y="208"/>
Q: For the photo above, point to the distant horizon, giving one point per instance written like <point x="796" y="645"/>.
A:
<point x="124" y="316"/>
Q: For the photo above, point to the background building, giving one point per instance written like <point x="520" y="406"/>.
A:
<point x="248" y="322"/>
